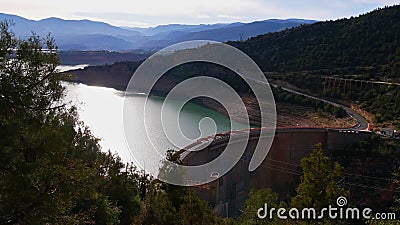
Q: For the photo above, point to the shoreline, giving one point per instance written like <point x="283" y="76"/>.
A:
<point x="162" y="94"/>
<point x="286" y="118"/>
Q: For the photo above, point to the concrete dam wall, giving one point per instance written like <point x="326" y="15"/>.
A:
<point x="279" y="171"/>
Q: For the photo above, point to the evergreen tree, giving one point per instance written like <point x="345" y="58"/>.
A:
<point x="318" y="187"/>
<point x="157" y="208"/>
<point x="51" y="166"/>
<point x="195" y="211"/>
<point x="256" y="200"/>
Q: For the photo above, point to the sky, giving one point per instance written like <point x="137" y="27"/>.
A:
<point x="146" y="13"/>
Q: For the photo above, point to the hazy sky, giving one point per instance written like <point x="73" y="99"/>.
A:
<point x="146" y="13"/>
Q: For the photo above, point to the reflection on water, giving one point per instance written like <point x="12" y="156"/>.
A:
<point x="102" y="110"/>
<point x="63" y="68"/>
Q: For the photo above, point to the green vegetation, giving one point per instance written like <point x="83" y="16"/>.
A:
<point x="257" y="199"/>
<point x="52" y="169"/>
<point x="318" y="187"/>
<point x="382" y="102"/>
<point x="281" y="95"/>
<point x="368" y="40"/>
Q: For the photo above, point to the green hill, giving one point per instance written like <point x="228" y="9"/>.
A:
<point x="372" y="39"/>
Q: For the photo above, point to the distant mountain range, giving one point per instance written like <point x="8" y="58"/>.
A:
<point x="366" y="45"/>
<point x="92" y="35"/>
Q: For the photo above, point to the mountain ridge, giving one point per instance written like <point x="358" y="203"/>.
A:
<point x="95" y="35"/>
<point x="366" y="40"/>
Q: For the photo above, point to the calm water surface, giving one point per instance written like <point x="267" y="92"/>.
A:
<point x="101" y="109"/>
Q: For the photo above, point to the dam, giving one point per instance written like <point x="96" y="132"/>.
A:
<point x="279" y="171"/>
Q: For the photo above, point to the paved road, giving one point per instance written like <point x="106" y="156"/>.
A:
<point x="362" y="124"/>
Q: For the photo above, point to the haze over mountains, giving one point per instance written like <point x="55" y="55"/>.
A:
<point x="92" y="35"/>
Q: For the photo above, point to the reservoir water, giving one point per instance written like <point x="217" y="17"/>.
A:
<point x="101" y="109"/>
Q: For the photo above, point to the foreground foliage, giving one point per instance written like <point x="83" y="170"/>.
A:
<point x="52" y="169"/>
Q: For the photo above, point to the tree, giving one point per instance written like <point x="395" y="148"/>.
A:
<point x="157" y="208"/>
<point x="123" y="186"/>
<point x="51" y="166"/>
<point x="257" y="199"/>
<point x="318" y="187"/>
<point x="195" y="211"/>
<point x="176" y="193"/>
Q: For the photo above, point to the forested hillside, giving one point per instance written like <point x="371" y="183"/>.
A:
<point x="371" y="39"/>
<point x="362" y="48"/>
